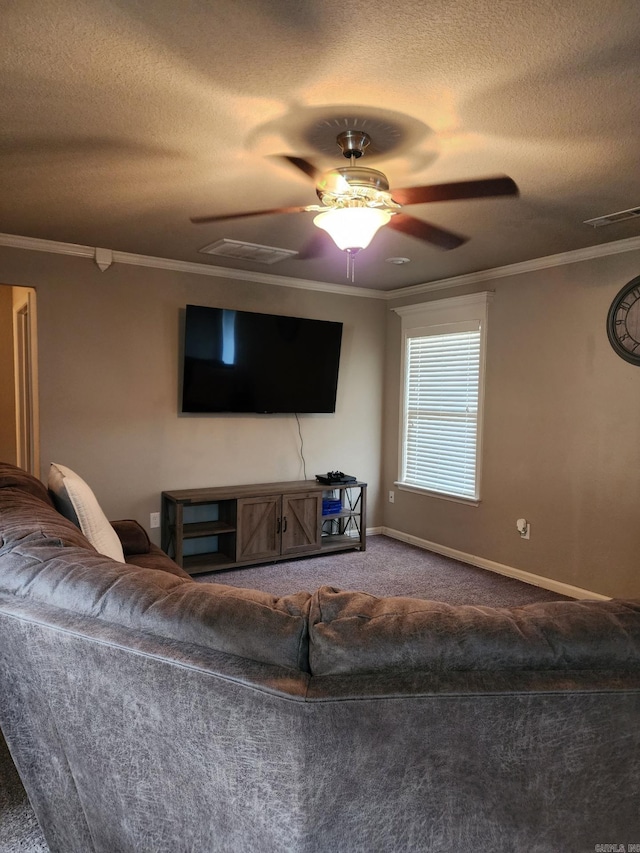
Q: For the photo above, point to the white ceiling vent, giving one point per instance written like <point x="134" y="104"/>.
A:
<point x="248" y="251"/>
<point x="611" y="218"/>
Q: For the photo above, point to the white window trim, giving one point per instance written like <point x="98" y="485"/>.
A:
<point x="423" y="317"/>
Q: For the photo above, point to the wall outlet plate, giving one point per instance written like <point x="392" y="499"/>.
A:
<point x="154" y="520"/>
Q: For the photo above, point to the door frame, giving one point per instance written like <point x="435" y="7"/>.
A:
<point x="25" y="352"/>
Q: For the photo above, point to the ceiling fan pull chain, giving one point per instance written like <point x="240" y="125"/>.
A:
<point x="351" y="265"/>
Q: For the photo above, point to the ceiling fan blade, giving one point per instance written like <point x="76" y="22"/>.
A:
<point x="425" y="231"/>
<point x="304" y="165"/>
<point x="481" y="188"/>
<point x="200" y="219"/>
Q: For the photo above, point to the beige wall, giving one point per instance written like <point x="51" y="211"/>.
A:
<point x="8" y="450"/>
<point x="561" y="439"/>
<point x="562" y="410"/>
<point x="108" y="355"/>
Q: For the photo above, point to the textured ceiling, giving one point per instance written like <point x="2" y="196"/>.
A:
<point x="120" y="120"/>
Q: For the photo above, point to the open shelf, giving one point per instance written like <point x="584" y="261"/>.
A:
<point x="196" y="529"/>
<point x="338" y="542"/>
<point x="344" y="513"/>
<point x="211" y="561"/>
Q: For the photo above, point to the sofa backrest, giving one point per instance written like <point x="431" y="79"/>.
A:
<point x="45" y="558"/>
<point x="352" y="632"/>
<point x="28" y="512"/>
<point x="12" y="477"/>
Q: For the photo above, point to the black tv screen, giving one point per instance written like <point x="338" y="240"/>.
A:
<point x="240" y="361"/>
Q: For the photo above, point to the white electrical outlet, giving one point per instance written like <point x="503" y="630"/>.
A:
<point x="524" y="528"/>
<point x="154" y="519"/>
<point x="392" y="497"/>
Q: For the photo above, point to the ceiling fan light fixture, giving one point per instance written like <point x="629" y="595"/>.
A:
<point x="352" y="228"/>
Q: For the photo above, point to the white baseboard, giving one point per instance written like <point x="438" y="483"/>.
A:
<point x="499" y="568"/>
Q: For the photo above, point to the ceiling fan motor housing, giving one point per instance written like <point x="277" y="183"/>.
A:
<point x="360" y="176"/>
<point x="354" y="186"/>
<point x="356" y="183"/>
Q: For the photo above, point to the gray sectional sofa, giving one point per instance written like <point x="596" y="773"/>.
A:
<point x="146" y="712"/>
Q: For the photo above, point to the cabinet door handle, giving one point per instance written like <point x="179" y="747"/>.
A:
<point x="284" y="527"/>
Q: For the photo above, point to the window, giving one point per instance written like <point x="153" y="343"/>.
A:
<point x="443" y="361"/>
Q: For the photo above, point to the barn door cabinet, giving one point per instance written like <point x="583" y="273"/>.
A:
<point x="278" y="526"/>
<point x="206" y="530"/>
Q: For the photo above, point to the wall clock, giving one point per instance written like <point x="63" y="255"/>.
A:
<point x="623" y="322"/>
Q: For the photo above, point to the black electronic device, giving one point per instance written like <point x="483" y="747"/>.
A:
<point x="241" y="361"/>
<point x="335" y="477"/>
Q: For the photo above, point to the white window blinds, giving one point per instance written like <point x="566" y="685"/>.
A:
<point x="441" y="421"/>
<point x="442" y="400"/>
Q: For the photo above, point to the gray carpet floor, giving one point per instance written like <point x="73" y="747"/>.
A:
<point x="387" y="567"/>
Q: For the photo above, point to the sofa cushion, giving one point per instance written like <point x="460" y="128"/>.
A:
<point x="26" y="514"/>
<point x="75" y="500"/>
<point x="355" y="632"/>
<point x="12" y="477"/>
<point x="242" y="622"/>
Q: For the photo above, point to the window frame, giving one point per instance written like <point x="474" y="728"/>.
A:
<point x="426" y="318"/>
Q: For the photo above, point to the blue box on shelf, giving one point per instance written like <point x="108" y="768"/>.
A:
<point x="330" y="506"/>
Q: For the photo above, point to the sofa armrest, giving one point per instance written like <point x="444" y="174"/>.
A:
<point x="140" y="551"/>
<point x="157" y="559"/>
<point x="132" y="535"/>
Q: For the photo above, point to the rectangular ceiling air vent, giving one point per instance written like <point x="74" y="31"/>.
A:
<point x="247" y="251"/>
<point x="610" y="218"/>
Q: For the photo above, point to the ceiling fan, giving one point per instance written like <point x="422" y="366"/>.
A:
<point x="355" y="201"/>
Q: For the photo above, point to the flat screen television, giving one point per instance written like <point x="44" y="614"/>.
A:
<point x="241" y="361"/>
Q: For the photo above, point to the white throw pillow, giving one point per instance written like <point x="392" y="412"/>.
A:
<point x="75" y="500"/>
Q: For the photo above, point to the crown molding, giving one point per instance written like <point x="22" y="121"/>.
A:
<point x="440" y="306"/>
<point x="629" y="244"/>
<point x="36" y="244"/>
